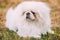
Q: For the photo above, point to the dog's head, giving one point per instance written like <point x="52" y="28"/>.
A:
<point x="33" y="11"/>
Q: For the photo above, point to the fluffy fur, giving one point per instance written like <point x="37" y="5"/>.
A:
<point x="38" y="23"/>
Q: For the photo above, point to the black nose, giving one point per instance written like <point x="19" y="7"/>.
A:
<point x="27" y="15"/>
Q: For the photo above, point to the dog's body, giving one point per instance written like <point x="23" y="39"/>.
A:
<point x="30" y="18"/>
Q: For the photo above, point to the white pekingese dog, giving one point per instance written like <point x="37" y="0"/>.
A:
<point x="29" y="19"/>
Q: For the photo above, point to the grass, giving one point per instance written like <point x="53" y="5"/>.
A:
<point x="6" y="34"/>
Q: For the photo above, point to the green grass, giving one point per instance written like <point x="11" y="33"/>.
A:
<point x="6" y="34"/>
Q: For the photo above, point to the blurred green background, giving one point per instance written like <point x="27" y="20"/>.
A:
<point x="6" y="34"/>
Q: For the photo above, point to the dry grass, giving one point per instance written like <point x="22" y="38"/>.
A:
<point x="6" y="34"/>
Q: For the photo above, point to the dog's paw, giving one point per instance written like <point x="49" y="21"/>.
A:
<point x="50" y="31"/>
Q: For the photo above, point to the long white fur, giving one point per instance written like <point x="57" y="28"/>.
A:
<point x="15" y="20"/>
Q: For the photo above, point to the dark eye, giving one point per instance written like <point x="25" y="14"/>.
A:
<point x="33" y="12"/>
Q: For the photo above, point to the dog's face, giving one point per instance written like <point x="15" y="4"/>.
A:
<point x="30" y="15"/>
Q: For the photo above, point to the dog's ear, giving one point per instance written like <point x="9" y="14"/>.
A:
<point x="10" y="16"/>
<point x="9" y="11"/>
<point x="47" y="8"/>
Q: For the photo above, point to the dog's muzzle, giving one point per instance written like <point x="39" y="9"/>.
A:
<point x="28" y="15"/>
